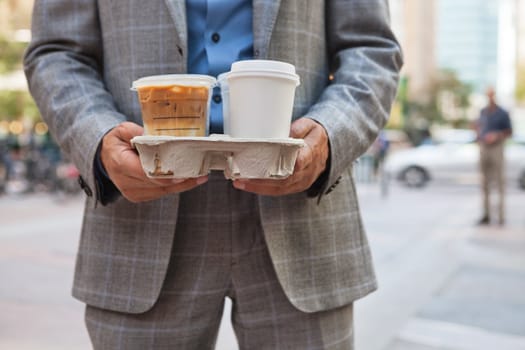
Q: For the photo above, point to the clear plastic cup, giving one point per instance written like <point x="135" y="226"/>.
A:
<point x="261" y="98"/>
<point x="175" y="104"/>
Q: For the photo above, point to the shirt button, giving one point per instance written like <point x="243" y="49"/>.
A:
<point x="215" y="37"/>
<point x="217" y="98"/>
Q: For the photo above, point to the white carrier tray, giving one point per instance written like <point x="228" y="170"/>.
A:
<point x="187" y="157"/>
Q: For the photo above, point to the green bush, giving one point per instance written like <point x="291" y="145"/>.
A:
<point x="520" y="86"/>
<point x="12" y="53"/>
<point x="17" y="104"/>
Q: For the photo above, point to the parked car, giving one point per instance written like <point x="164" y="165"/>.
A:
<point x="452" y="155"/>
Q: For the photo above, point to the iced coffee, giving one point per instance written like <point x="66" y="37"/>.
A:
<point x="175" y="105"/>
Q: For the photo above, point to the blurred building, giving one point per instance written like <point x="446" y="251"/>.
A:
<point x="520" y="37"/>
<point x="519" y="112"/>
<point x="15" y="24"/>
<point x="467" y="40"/>
<point x="520" y="48"/>
<point x="478" y="39"/>
<point x="15" y="15"/>
<point x="413" y="21"/>
<point x="482" y="41"/>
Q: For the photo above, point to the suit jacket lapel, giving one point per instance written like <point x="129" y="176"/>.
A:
<point x="177" y="10"/>
<point x="264" y="16"/>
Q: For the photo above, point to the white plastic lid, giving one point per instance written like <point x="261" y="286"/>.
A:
<point x="174" y="79"/>
<point x="222" y="77"/>
<point x="264" y="68"/>
<point x="263" y="65"/>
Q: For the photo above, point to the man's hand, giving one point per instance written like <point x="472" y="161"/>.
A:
<point x="491" y="138"/>
<point x="494" y="137"/>
<point x="310" y="163"/>
<point x="122" y="164"/>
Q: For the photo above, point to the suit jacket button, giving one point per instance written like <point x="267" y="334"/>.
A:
<point x="85" y="186"/>
<point x="334" y="185"/>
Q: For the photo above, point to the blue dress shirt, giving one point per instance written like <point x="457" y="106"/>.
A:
<point x="220" y="32"/>
<point x="496" y="119"/>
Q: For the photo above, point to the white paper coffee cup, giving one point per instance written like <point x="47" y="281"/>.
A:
<point x="261" y="97"/>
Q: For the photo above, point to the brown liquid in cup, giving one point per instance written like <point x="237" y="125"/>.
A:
<point x="174" y="110"/>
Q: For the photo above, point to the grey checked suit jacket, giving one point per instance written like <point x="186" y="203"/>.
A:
<point x="80" y="64"/>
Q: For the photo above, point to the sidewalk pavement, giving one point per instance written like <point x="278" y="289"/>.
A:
<point x="444" y="283"/>
<point x="462" y="287"/>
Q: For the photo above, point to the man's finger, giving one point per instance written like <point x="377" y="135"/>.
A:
<point x="127" y="130"/>
<point x="292" y="184"/>
<point x="304" y="158"/>
<point x="145" y="192"/>
<point x="301" y="127"/>
<point x="130" y="165"/>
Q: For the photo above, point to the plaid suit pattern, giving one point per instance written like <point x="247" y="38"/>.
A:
<point x="80" y="73"/>
<point x="206" y="266"/>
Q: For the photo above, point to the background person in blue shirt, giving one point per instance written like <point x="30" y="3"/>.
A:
<point x="493" y="127"/>
<point x="157" y="258"/>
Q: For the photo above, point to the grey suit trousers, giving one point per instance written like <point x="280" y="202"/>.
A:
<point x="219" y="251"/>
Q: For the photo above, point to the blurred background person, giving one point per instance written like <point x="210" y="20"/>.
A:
<point x="493" y="128"/>
<point x="6" y="164"/>
<point x="379" y="151"/>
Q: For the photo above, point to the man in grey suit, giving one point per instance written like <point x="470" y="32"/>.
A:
<point x="157" y="258"/>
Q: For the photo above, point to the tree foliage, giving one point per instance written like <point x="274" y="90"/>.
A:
<point x="15" y="104"/>
<point x="11" y="55"/>
<point x="520" y="84"/>
<point x="445" y="102"/>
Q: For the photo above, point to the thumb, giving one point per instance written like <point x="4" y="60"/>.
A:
<point x="302" y="127"/>
<point x="127" y="130"/>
